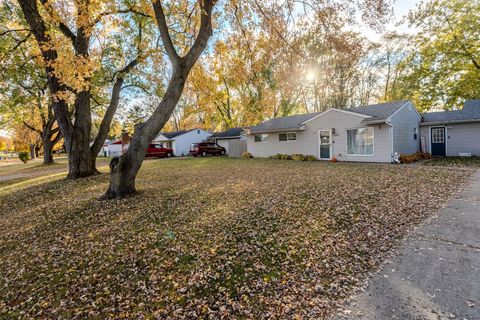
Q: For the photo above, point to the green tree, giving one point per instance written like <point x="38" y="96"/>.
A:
<point x="445" y="69"/>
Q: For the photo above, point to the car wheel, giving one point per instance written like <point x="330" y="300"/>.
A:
<point x="223" y="152"/>
<point x="169" y="155"/>
<point x="204" y="154"/>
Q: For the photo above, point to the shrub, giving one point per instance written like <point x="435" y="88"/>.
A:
<point x="310" y="158"/>
<point x="409" y="158"/>
<point x="247" y="155"/>
<point x="24" y="156"/>
<point x="298" y="157"/>
<point x="281" y="156"/>
<point x="423" y="155"/>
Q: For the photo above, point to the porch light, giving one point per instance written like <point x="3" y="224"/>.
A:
<point x="333" y="130"/>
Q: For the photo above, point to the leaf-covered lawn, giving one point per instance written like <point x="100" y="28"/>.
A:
<point x="455" y="162"/>
<point x="206" y="238"/>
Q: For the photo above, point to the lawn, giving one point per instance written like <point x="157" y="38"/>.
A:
<point x="209" y="238"/>
<point x="455" y="162"/>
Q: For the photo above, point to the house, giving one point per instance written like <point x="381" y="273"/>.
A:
<point x="224" y="138"/>
<point x="452" y="133"/>
<point x="114" y="149"/>
<point x="369" y="134"/>
<point x="180" y="141"/>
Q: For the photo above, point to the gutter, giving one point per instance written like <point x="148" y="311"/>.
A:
<point x="250" y="132"/>
<point x="433" y="123"/>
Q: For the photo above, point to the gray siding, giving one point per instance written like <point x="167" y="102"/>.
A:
<point x="307" y="141"/>
<point x="461" y="138"/>
<point x="403" y="123"/>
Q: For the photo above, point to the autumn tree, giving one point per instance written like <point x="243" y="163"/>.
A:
<point x="23" y="90"/>
<point x="87" y="50"/>
<point x="445" y="68"/>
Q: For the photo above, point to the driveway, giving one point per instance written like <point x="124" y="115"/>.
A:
<point x="436" y="274"/>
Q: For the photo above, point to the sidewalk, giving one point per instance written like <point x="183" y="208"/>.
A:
<point x="437" y="272"/>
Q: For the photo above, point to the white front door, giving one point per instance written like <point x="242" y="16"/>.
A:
<point x="325" y="148"/>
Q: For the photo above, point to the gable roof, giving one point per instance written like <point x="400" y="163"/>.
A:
<point x="380" y="111"/>
<point x="171" y="135"/>
<point x="469" y="113"/>
<point x="230" y="133"/>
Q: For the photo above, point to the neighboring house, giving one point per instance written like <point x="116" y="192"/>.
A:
<point x="114" y="149"/>
<point x="369" y="134"/>
<point x="453" y="133"/>
<point x="180" y="141"/>
<point x="224" y="138"/>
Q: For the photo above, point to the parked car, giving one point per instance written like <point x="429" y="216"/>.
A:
<point x="158" y="151"/>
<point x="205" y="148"/>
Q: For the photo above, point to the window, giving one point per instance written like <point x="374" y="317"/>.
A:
<point x="415" y="133"/>
<point x="438" y="135"/>
<point x="289" y="136"/>
<point x="261" y="138"/>
<point x="360" y="142"/>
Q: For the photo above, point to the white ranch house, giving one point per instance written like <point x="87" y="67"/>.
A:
<point x="180" y="141"/>
<point x="371" y="133"/>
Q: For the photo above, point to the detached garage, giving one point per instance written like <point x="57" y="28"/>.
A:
<point x="452" y="133"/>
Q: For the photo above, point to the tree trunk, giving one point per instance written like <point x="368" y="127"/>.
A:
<point x="123" y="172"/>
<point x="32" y="151"/>
<point x="81" y="162"/>
<point x="47" y="150"/>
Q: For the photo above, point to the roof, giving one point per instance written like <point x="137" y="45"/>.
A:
<point x="230" y="133"/>
<point x="379" y="111"/>
<point x="375" y="112"/>
<point x="471" y="104"/>
<point x="469" y="113"/>
<point x="171" y="135"/>
<point x="284" y="123"/>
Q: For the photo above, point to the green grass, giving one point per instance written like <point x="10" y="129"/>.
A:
<point x="207" y="237"/>
<point x="455" y="162"/>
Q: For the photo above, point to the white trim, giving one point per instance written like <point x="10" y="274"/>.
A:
<point x="359" y="155"/>
<point x="319" y="142"/>
<point x="339" y="110"/>
<point x="445" y="138"/>
<point x="406" y="103"/>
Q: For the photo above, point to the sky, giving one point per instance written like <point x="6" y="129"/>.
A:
<point x="400" y="9"/>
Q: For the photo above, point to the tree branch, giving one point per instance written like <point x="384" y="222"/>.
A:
<point x="29" y="126"/>
<point x="112" y="108"/>
<point x="61" y="26"/>
<point x="163" y="28"/>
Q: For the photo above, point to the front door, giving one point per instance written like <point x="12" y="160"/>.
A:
<point x="438" y="141"/>
<point x="325" y="145"/>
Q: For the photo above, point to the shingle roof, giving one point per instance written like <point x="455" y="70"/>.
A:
<point x="233" y="132"/>
<point x="471" y="103"/>
<point x="470" y="112"/>
<point x="283" y="123"/>
<point x="171" y="135"/>
<point x="379" y="111"/>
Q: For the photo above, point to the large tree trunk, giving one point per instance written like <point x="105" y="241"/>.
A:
<point x="81" y="160"/>
<point x="123" y="170"/>
<point x="47" y="152"/>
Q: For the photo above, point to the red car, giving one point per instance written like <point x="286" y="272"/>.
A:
<point x="204" y="148"/>
<point x="158" y="151"/>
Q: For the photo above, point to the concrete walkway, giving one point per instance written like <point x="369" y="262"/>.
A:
<point x="437" y="272"/>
